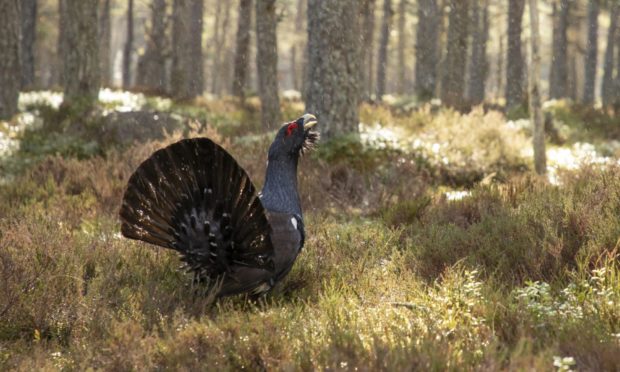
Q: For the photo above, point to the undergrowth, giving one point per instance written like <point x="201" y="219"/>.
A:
<point x="517" y="274"/>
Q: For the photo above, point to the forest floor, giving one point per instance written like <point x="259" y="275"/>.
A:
<point x="430" y="244"/>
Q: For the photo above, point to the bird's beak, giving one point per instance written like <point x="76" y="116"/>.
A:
<point x="309" y="121"/>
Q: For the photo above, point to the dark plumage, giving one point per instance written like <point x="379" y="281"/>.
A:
<point x="193" y="197"/>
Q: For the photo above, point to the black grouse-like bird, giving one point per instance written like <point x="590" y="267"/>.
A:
<point x="193" y="197"/>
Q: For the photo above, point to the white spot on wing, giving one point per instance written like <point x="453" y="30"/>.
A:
<point x="294" y="222"/>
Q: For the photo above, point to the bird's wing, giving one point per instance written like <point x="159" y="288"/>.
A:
<point x="193" y="197"/>
<point x="287" y="236"/>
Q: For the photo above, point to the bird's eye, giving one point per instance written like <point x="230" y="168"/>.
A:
<point x="291" y="127"/>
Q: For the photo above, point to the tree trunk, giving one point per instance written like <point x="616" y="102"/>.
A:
<point x="591" y="52"/>
<point x="453" y="84"/>
<point x="333" y="88"/>
<point x="29" y="28"/>
<point x="222" y="19"/>
<point x="427" y="58"/>
<point x="243" y="46"/>
<point x="186" y="77"/>
<point x="558" y="84"/>
<point x="514" y="60"/>
<point x="367" y="12"/>
<point x="82" y="68"/>
<point x="540" y="161"/>
<point x="105" y="37"/>
<point x="10" y="81"/>
<point x="127" y="51"/>
<point x="267" y="62"/>
<point x="478" y="63"/>
<point x="382" y="60"/>
<point x="401" y="76"/>
<point x="607" y="88"/>
<point x="152" y="72"/>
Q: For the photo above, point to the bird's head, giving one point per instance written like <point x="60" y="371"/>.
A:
<point x="294" y="138"/>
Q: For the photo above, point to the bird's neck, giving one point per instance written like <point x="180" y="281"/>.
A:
<point x="280" y="190"/>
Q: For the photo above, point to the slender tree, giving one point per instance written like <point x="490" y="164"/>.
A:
<point x="402" y="41"/>
<point x="152" y="73"/>
<point x="558" y="79"/>
<point x="426" y="48"/>
<point x="333" y="65"/>
<point x="514" y="60"/>
<point x="242" y="49"/>
<point x="219" y="51"/>
<point x="267" y="62"/>
<point x="382" y="61"/>
<point x="105" y="37"/>
<point x="367" y="11"/>
<point x="478" y="66"/>
<point x="453" y="84"/>
<point x="29" y="26"/>
<point x="591" y="52"/>
<point x="80" y="52"/>
<point x="607" y="88"/>
<point x="10" y="29"/>
<point x="186" y="77"/>
<point x="128" y="50"/>
<point x="540" y="161"/>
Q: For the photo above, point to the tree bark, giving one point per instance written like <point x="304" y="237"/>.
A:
<point x="29" y="28"/>
<point x="105" y="37"/>
<point x="591" y="52"/>
<point x="453" y="84"/>
<point x="240" y="76"/>
<point x="514" y="60"/>
<point x="607" y="88"/>
<point x="152" y="72"/>
<point x="427" y="58"/>
<point x="558" y="84"/>
<point x="127" y="51"/>
<point x="478" y="63"/>
<point x="10" y="81"/>
<point x="382" y="61"/>
<point x="186" y="77"/>
<point x="402" y="41"/>
<point x="333" y="70"/>
<point x="82" y="68"/>
<point x="267" y="62"/>
<point x="218" y="67"/>
<point x="540" y="161"/>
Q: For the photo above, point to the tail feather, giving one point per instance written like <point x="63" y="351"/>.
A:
<point x="194" y="198"/>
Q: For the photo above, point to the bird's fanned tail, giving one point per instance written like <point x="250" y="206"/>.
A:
<point x="193" y="197"/>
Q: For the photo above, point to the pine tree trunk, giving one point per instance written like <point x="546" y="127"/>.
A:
<point x="186" y="76"/>
<point x="453" y="84"/>
<point x="244" y="22"/>
<point x="402" y="41"/>
<point x="427" y="58"/>
<point x="333" y="65"/>
<point x="222" y="19"/>
<point x="607" y="88"/>
<point x="29" y="28"/>
<point x="540" y="161"/>
<point x="105" y="37"/>
<point x="127" y="51"/>
<point x="514" y="60"/>
<point x="382" y="60"/>
<point x="558" y="84"/>
<point x="80" y="53"/>
<point x="152" y="72"/>
<point x="10" y="69"/>
<point x="267" y="62"/>
<point x="367" y="12"/>
<point x="591" y="52"/>
<point x="478" y="63"/>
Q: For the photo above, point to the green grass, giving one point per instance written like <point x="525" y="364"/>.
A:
<point x="394" y="276"/>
